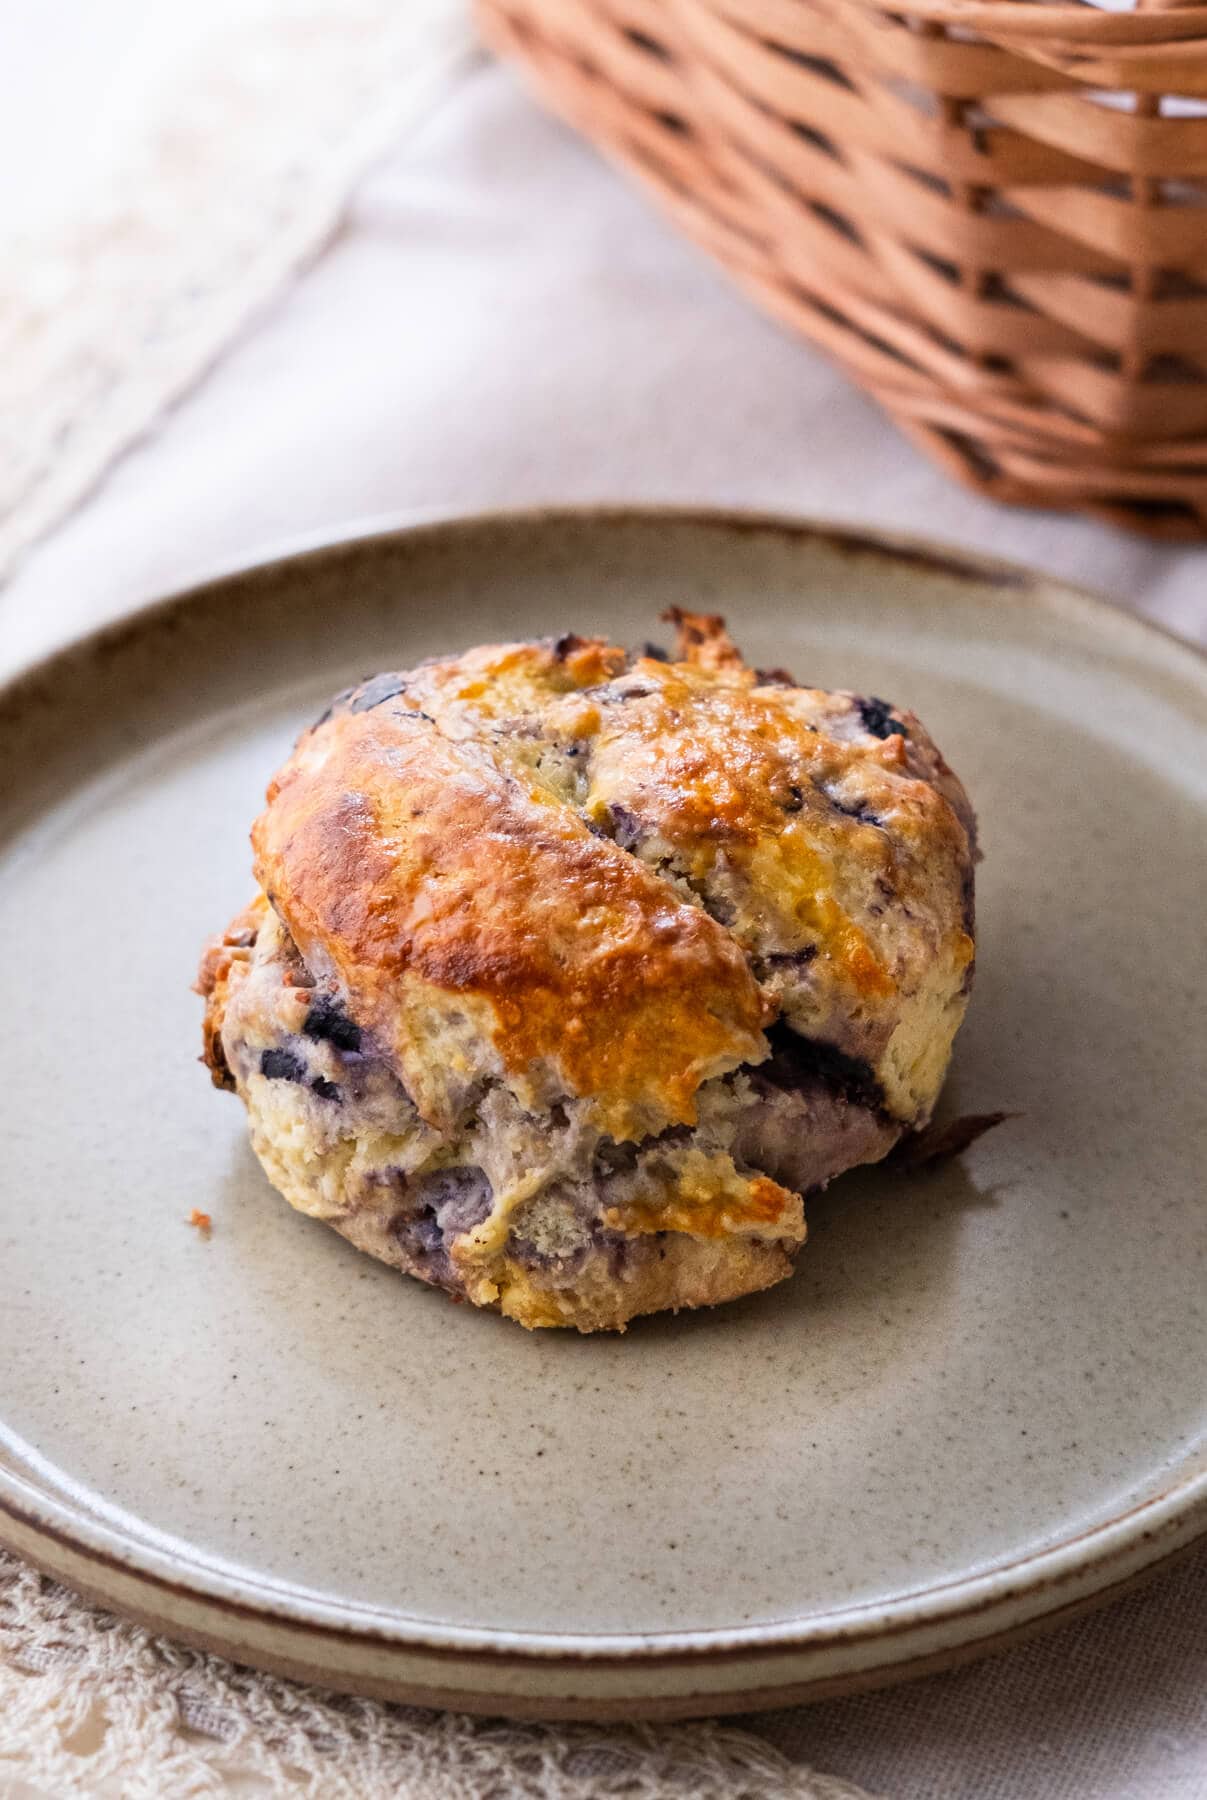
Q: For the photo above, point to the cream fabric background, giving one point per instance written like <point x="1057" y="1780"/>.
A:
<point x="500" y="321"/>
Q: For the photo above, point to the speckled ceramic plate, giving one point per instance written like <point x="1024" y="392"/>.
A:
<point x="980" y="1402"/>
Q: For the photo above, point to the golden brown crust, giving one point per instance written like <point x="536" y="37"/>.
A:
<point x="820" y="844"/>
<point x="702" y="640"/>
<point x="428" y="878"/>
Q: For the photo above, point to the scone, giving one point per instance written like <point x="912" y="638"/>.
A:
<point x="572" y="970"/>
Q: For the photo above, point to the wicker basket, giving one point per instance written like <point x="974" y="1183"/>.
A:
<point x="992" y="213"/>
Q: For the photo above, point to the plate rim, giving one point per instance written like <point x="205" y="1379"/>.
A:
<point x="1070" y="1573"/>
<point x="918" y="550"/>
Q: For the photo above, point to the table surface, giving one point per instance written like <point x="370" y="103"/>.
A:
<point x="501" y="322"/>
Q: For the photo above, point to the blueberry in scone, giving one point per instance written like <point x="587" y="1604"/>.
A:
<point x="572" y="970"/>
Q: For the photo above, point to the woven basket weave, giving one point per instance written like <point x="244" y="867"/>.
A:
<point x="992" y="213"/>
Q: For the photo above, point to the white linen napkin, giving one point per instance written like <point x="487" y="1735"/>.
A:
<point x="222" y="165"/>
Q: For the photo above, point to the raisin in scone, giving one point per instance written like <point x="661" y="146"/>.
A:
<point x="572" y="970"/>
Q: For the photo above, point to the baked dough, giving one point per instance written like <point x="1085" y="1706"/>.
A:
<point x="572" y="969"/>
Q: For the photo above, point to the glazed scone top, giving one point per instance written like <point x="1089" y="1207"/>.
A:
<point x="480" y="930"/>
<point x="593" y="876"/>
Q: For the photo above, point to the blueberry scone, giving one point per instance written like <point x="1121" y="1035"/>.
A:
<point x="572" y="970"/>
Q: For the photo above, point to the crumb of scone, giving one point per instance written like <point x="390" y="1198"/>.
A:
<point x="573" y="970"/>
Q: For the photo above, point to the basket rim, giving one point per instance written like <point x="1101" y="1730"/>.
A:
<point x="1080" y="22"/>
